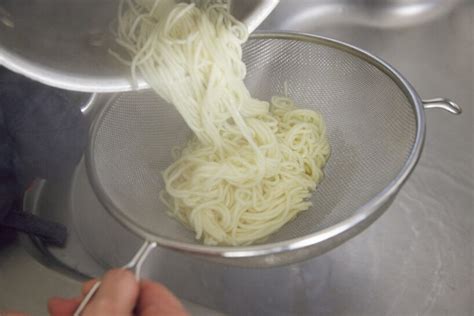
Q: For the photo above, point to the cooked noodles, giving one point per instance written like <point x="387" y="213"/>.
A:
<point x="252" y="165"/>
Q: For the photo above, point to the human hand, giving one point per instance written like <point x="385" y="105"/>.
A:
<point x="120" y="294"/>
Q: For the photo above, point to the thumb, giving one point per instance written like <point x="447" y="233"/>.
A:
<point x="155" y="299"/>
<point x="117" y="295"/>
<point x="61" y="306"/>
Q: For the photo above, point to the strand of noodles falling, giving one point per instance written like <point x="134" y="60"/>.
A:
<point x="251" y="165"/>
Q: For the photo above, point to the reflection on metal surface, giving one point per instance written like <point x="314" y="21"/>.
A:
<point x="253" y="13"/>
<point x="6" y="18"/>
<point x="381" y="14"/>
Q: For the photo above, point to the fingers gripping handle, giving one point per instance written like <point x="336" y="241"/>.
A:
<point x="135" y="265"/>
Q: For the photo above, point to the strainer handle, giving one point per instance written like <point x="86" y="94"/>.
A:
<point x="442" y="103"/>
<point x="134" y="264"/>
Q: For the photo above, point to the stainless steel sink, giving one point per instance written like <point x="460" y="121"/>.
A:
<point x="416" y="259"/>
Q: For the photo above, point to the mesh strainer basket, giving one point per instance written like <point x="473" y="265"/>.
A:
<point x="375" y="124"/>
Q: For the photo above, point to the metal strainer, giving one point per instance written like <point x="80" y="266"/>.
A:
<point x="376" y="127"/>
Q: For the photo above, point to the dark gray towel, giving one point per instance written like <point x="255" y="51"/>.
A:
<point x="42" y="135"/>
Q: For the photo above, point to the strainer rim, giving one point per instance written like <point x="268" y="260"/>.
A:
<point x="360" y="215"/>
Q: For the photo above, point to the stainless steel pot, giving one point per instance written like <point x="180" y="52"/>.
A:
<point x="65" y="43"/>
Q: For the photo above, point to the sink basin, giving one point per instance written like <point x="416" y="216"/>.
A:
<point x="413" y="260"/>
<point x="312" y="15"/>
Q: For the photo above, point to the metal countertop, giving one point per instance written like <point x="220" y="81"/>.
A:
<point x="417" y="259"/>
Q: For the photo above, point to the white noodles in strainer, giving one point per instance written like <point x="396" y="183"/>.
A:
<point x="252" y="165"/>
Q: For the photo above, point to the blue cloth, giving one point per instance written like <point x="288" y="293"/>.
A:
<point x="42" y="135"/>
<point x="8" y="183"/>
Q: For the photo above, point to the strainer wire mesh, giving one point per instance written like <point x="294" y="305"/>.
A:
<point x="374" y="123"/>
